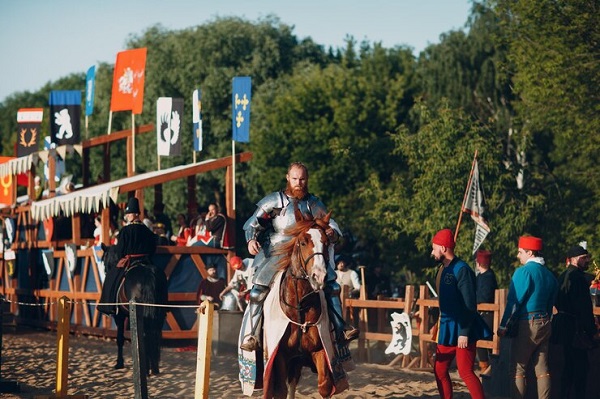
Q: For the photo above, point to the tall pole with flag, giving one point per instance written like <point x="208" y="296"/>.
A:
<point x="128" y="88"/>
<point x="197" y="121"/>
<point x="241" y="99"/>
<point x="473" y="204"/>
<point x="90" y="89"/>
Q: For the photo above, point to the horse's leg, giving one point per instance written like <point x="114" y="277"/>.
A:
<point x="293" y="377"/>
<point x="278" y="377"/>
<point x="153" y="345"/>
<point x="120" y="322"/>
<point x="324" y="376"/>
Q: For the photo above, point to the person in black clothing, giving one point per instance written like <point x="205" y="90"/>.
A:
<point x="486" y="286"/>
<point x="136" y="243"/>
<point x="575" y="312"/>
<point x="216" y="223"/>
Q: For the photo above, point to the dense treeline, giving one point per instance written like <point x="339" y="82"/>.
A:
<point x="389" y="137"/>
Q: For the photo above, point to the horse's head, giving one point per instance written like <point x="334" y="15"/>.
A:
<point x="309" y="251"/>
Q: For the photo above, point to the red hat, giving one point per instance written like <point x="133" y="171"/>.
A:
<point x="236" y="262"/>
<point x="444" y="238"/>
<point x="484" y="258"/>
<point x="530" y="243"/>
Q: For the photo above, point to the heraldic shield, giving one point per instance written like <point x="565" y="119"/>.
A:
<point x="401" y="334"/>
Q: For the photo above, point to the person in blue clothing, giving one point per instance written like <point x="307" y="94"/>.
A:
<point x="459" y="325"/>
<point x="533" y="289"/>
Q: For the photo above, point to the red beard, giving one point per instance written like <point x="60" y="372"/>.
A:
<point x="296" y="192"/>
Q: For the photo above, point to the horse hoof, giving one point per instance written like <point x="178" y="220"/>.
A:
<point x="119" y="366"/>
<point x="155" y="372"/>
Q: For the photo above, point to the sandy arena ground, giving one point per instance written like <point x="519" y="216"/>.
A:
<point x="29" y="358"/>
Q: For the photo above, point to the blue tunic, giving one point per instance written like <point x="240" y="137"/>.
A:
<point x="458" y="305"/>
<point x="535" y="287"/>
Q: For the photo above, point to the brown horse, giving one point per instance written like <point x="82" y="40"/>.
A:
<point x="304" y="264"/>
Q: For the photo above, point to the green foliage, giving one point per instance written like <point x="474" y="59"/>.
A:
<point x="388" y="139"/>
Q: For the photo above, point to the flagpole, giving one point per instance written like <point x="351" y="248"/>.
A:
<point x="86" y="126"/>
<point x="133" y="142"/>
<point x="462" y="207"/>
<point x="233" y="171"/>
<point x="109" y="122"/>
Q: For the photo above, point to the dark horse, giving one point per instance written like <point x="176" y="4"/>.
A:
<point x="304" y="262"/>
<point x="145" y="283"/>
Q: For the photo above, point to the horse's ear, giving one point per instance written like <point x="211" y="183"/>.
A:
<point x="327" y="217"/>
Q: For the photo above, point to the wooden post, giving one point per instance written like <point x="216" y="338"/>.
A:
<point x="364" y="317"/>
<point x="62" y="345"/>
<point x="62" y="352"/>
<point x="138" y="352"/>
<point x="205" y="328"/>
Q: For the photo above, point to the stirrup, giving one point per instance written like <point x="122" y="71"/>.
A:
<point x="349" y="335"/>
<point x="251" y="344"/>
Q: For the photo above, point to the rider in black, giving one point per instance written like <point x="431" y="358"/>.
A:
<point x="136" y="243"/>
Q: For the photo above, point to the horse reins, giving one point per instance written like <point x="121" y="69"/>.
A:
<point x="303" y="263"/>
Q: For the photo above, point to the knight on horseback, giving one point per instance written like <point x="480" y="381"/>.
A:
<point x="136" y="243"/>
<point x="274" y="213"/>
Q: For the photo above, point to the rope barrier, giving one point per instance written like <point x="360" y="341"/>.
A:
<point x="99" y="303"/>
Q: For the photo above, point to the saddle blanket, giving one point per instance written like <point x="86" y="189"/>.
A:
<point x="275" y="323"/>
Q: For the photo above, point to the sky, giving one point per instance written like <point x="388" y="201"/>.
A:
<point x="44" y="40"/>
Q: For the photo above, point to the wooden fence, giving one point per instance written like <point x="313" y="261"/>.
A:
<point x="373" y="319"/>
<point x="184" y="267"/>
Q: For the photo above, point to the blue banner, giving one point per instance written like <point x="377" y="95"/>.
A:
<point x="65" y="114"/>
<point x="241" y="98"/>
<point x="197" y="119"/>
<point x="90" y="88"/>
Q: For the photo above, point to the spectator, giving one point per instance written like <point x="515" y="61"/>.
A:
<point x="211" y="287"/>
<point x="183" y="232"/>
<point x="159" y="230"/>
<point x="216" y="223"/>
<point x="241" y="281"/>
<point x="347" y="277"/>
<point x="161" y="217"/>
<point x="485" y="292"/>
<point x="532" y="293"/>
<point x="575" y="314"/>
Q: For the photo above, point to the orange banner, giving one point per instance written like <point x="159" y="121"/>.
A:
<point x="128" y="81"/>
<point x="6" y="185"/>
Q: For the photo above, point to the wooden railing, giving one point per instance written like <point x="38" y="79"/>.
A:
<point x="419" y="309"/>
<point x="37" y="307"/>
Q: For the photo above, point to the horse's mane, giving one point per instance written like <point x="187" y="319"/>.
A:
<point x="287" y="248"/>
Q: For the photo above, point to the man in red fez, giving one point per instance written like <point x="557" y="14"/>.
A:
<point x="531" y="297"/>
<point x="486" y="291"/>
<point x="459" y="325"/>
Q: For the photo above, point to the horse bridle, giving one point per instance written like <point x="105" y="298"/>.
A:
<point x="304" y="276"/>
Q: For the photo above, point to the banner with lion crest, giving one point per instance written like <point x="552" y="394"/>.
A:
<point x="65" y="116"/>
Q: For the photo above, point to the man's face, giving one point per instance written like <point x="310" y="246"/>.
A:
<point x="212" y="271"/>
<point x="212" y="210"/>
<point x="581" y="261"/>
<point x="437" y="252"/>
<point x="297" y="182"/>
<point x="523" y="255"/>
<point x="341" y="265"/>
